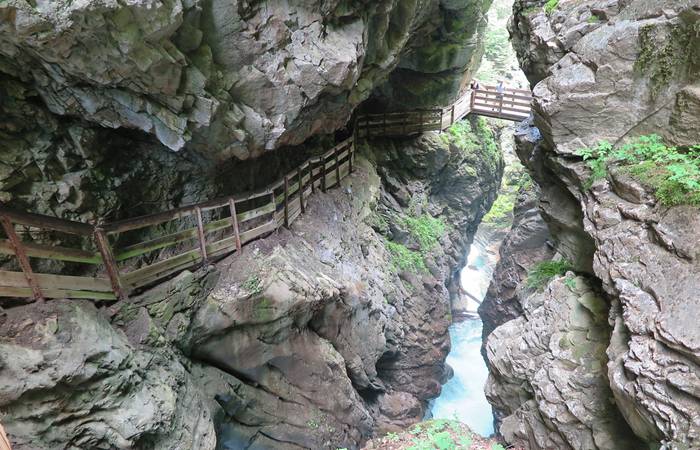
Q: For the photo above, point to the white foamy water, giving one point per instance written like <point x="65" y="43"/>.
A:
<point x="463" y="396"/>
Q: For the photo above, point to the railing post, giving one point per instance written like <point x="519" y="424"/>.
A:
<point x="472" y="99"/>
<point x="110" y="264"/>
<point x="337" y="166"/>
<point x="351" y="153"/>
<point x="286" y="201"/>
<point x="452" y="115"/>
<point x="234" y="223"/>
<point x="22" y="258"/>
<point x="442" y="111"/>
<point x="300" y="174"/>
<point x="323" y="174"/>
<point x="200" y="234"/>
<point x="311" y="176"/>
<point x="500" y="105"/>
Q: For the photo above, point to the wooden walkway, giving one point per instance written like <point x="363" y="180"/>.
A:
<point x="209" y="230"/>
<point x="513" y="105"/>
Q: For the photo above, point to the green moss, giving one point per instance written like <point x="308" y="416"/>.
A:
<point x="427" y="230"/>
<point x="405" y="260"/>
<point x="593" y="19"/>
<point x="253" y="285"/>
<point x="664" y="53"/>
<point x="543" y="272"/>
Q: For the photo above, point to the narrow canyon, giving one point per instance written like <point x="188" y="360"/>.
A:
<point x="350" y="224"/>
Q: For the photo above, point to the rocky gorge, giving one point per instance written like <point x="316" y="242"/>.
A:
<point x="319" y="336"/>
<point x="333" y="333"/>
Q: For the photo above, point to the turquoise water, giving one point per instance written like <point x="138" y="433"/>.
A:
<point x="463" y="396"/>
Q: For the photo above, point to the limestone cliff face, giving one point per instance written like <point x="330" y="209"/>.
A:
<point x="605" y="71"/>
<point x="95" y="96"/>
<point x="230" y="78"/>
<point x="314" y="337"/>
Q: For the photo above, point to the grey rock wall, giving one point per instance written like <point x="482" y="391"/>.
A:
<point x="630" y="70"/>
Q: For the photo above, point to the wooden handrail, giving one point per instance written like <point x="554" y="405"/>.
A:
<point x="321" y="172"/>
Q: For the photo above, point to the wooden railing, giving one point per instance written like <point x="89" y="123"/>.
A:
<point x="204" y="232"/>
<point x="512" y="104"/>
<point x="213" y="229"/>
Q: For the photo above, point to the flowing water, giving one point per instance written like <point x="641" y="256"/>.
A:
<point x="463" y="396"/>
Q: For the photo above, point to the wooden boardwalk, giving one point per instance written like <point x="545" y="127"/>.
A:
<point x="209" y="230"/>
<point x="513" y="105"/>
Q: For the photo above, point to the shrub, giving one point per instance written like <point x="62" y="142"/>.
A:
<point x="404" y="259"/>
<point x="539" y="276"/>
<point x="673" y="173"/>
<point x="427" y="230"/>
<point x="550" y="6"/>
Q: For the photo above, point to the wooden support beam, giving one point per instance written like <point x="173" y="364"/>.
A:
<point x="323" y="174"/>
<point x="286" y="202"/>
<point x="452" y="115"/>
<point x="200" y="233"/>
<point x="110" y="264"/>
<point x="337" y="167"/>
<point x="22" y="258"/>
<point x="300" y="176"/>
<point x="234" y="222"/>
<point x="351" y="154"/>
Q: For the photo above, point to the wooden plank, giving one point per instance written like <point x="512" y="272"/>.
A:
<point x="22" y="258"/>
<point x="46" y="222"/>
<point x="111" y="267"/>
<point x="158" y="269"/>
<point x="49" y="281"/>
<point x="147" y="221"/>
<point x="255" y="213"/>
<point x="53" y="252"/>
<point x="234" y="223"/>
<point x="7" y="291"/>
<point x="155" y="244"/>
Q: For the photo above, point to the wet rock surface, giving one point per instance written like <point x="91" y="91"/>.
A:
<point x="594" y="79"/>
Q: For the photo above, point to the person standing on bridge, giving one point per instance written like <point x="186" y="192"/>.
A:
<point x="475" y="85"/>
<point x="500" y="90"/>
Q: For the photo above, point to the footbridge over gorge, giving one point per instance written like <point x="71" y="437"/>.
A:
<point x="115" y="259"/>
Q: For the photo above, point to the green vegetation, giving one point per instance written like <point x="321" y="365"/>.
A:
<point x="439" y="434"/>
<point x="427" y="230"/>
<point x="550" y="6"/>
<point x="570" y="283"/>
<point x="461" y="135"/>
<point x="403" y="259"/>
<point x="539" y="276"/>
<point x="593" y="19"/>
<point x="673" y="173"/>
<point x="252" y="285"/>
<point x="500" y="213"/>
